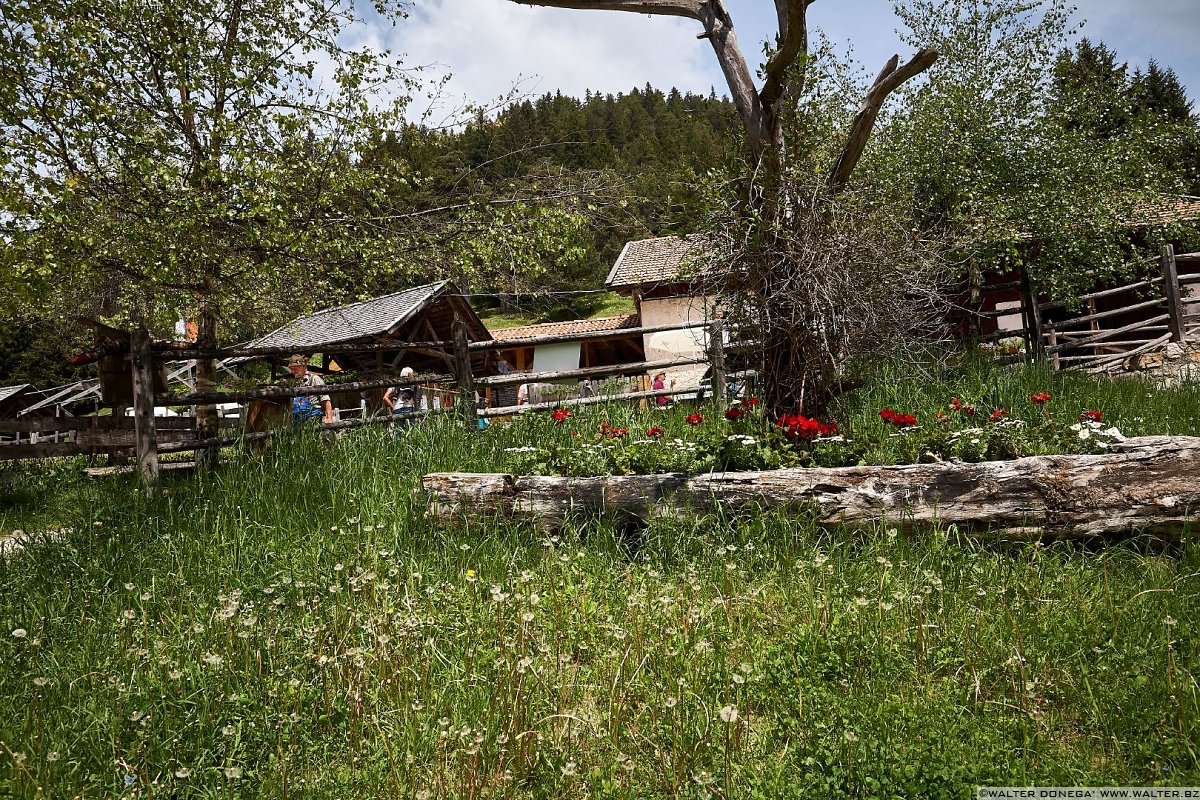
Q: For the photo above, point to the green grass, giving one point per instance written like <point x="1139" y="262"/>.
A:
<point x="299" y="626"/>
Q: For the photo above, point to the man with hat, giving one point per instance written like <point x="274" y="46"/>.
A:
<point x="308" y="407"/>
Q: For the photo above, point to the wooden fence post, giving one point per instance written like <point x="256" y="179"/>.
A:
<point x="1033" y="319"/>
<point x="716" y="359"/>
<point x="145" y="437"/>
<point x="1171" y="288"/>
<point x="462" y="373"/>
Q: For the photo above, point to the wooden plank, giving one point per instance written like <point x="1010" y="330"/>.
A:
<point x="517" y="378"/>
<point x="1106" y="314"/>
<point x="716" y="357"/>
<point x="1114" y="332"/>
<point x="1033" y="319"/>
<point x="288" y="392"/>
<point x="64" y="424"/>
<point x="1104" y="293"/>
<point x="506" y="411"/>
<point x="463" y="375"/>
<point x="1104" y="361"/>
<point x="1171" y="289"/>
<point x="17" y="452"/>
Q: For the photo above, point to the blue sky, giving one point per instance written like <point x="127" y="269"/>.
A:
<point x="490" y="46"/>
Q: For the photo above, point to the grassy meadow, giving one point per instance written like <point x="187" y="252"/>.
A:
<point x="297" y="626"/>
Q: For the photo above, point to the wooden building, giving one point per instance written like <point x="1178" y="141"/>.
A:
<point x="422" y="315"/>
<point x="660" y="275"/>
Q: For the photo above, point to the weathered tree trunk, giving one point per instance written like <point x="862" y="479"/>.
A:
<point x="1148" y="483"/>
<point x="206" y="381"/>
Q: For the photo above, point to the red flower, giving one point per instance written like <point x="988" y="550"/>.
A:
<point x="1039" y="398"/>
<point x="734" y="413"/>
<point x="695" y="419"/>
<point x="656" y="432"/>
<point x="897" y="419"/>
<point x="560" y="414"/>
<point x="969" y="411"/>
<point x="752" y="402"/>
<point x="1091" y="416"/>
<point x="997" y="415"/>
<point x="797" y="426"/>
<point x="956" y="404"/>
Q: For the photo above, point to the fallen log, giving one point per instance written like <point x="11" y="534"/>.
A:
<point x="1147" y="484"/>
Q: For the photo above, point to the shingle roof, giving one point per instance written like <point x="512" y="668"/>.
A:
<point x="8" y="391"/>
<point x="345" y="323"/>
<point x="1165" y="210"/>
<point x="570" y="327"/>
<point x="659" y="260"/>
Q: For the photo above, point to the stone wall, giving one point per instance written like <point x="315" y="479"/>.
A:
<point x="1178" y="362"/>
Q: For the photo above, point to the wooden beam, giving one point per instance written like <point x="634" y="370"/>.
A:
<point x="1146" y="484"/>
<point x="1171" y="288"/>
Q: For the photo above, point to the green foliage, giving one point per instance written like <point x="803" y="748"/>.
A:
<point x="1031" y="154"/>
<point x="158" y="159"/>
<point x="298" y="626"/>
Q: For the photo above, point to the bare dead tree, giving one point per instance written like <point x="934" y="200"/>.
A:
<point x="815" y="283"/>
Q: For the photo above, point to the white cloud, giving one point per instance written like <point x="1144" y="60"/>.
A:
<point x="491" y="45"/>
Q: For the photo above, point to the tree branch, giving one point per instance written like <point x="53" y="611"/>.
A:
<point x="674" y="8"/>
<point x="793" y="43"/>
<point x="888" y="81"/>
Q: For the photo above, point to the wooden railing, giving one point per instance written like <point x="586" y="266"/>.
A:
<point x="1113" y="324"/>
<point x="146" y="436"/>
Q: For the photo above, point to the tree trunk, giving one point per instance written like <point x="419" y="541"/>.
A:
<point x="206" y="381"/>
<point x="1147" y="483"/>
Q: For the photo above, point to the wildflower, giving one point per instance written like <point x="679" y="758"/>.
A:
<point x="752" y="402"/>
<point x="40" y="681"/>
<point x="655" y="433"/>
<point x="175" y="674"/>
<point x="182" y="772"/>
<point x="695" y="419"/>
<point x="560" y="414"/>
<point x="129" y="779"/>
<point x="1040" y="398"/>
<point x="729" y="714"/>
<point x="956" y="404"/>
<point x="734" y="413"/>
<point x="20" y="633"/>
<point x="569" y="769"/>
<point x="228" y="730"/>
<point x="213" y="660"/>
<point x="997" y="415"/>
<point x="1091" y="416"/>
<point x="897" y="419"/>
<point x="851" y="736"/>
<point x="233" y="773"/>
<point x="53" y="755"/>
<point x="469" y="575"/>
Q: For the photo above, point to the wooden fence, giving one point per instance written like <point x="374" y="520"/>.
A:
<point x="1113" y="323"/>
<point x="145" y="436"/>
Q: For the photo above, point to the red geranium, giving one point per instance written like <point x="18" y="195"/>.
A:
<point x="997" y="415"/>
<point x="798" y="426"/>
<point x="695" y="419"/>
<point x="734" y="413"/>
<point x="656" y="432"/>
<point x="897" y="419"/>
<point x="608" y="431"/>
<point x="752" y="402"/>
<point x="1039" y="398"/>
<point x="560" y="414"/>
<point x="1091" y="416"/>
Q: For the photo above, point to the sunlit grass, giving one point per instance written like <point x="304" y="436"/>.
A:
<point x="298" y="626"/>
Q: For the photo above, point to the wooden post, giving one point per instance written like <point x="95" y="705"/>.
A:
<point x="1033" y="319"/>
<point x="1055" y="364"/>
<point x="716" y="358"/>
<point x="1171" y="287"/>
<point x="462" y="374"/>
<point x="145" y="438"/>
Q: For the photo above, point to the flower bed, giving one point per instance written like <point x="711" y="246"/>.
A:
<point x="743" y="438"/>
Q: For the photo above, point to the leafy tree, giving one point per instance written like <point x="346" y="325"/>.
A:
<point x="757" y="247"/>
<point x="162" y="159"/>
<point x="1028" y="154"/>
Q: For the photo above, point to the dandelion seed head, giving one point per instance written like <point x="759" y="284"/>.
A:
<point x="729" y="714"/>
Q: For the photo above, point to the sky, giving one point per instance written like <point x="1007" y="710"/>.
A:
<point x="492" y="47"/>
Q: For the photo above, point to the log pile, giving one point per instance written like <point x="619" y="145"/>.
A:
<point x="1147" y="484"/>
